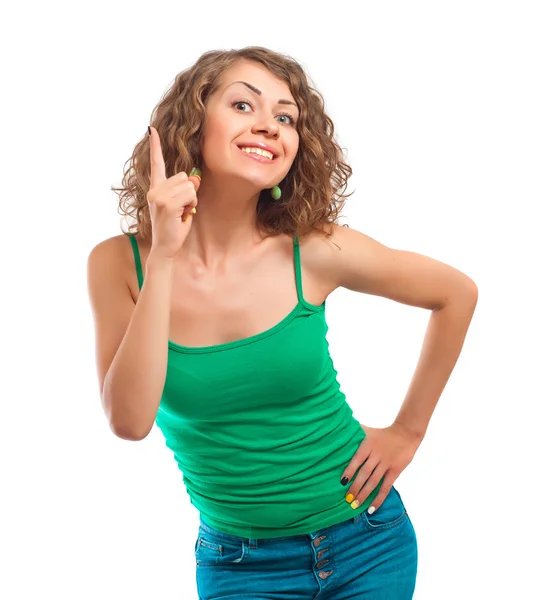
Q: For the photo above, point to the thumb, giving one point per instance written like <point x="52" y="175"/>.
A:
<point x="195" y="177"/>
<point x="195" y="180"/>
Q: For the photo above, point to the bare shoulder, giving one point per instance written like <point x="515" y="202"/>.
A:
<point x="319" y="252"/>
<point x="113" y="258"/>
<point x="351" y="259"/>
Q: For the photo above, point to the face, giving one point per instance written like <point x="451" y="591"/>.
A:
<point x="238" y="116"/>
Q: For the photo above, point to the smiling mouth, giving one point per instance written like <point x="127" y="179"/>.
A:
<point x="258" y="153"/>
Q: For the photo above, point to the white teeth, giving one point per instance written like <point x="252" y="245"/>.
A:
<point x="259" y="151"/>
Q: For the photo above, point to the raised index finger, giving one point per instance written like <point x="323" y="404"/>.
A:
<point x="158" y="167"/>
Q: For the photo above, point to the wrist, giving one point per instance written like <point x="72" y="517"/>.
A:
<point x="156" y="263"/>
<point x="416" y="434"/>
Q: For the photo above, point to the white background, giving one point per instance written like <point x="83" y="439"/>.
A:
<point x="435" y="103"/>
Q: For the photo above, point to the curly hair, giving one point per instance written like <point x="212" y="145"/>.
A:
<point x="313" y="191"/>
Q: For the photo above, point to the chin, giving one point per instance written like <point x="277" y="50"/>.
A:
<point x="254" y="176"/>
<point x="256" y="180"/>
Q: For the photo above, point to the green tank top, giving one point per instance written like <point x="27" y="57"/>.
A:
<point x="259" y="427"/>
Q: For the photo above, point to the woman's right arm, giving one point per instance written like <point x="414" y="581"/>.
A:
<point x="131" y="339"/>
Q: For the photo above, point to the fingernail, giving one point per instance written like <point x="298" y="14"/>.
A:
<point x="349" y="498"/>
<point x="371" y="509"/>
<point x="344" y="480"/>
<point x="149" y="129"/>
<point x="354" y="504"/>
<point x="187" y="217"/>
<point x="193" y="211"/>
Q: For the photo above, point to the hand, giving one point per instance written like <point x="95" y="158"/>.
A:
<point x="383" y="452"/>
<point x="171" y="202"/>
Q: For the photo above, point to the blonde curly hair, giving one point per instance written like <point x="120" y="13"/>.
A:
<point x="313" y="191"/>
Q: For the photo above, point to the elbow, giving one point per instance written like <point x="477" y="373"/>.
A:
<point x="125" y="430"/>
<point x="119" y="425"/>
<point x="472" y="290"/>
<point x="465" y="293"/>
<point x="127" y="433"/>
<point x="472" y="293"/>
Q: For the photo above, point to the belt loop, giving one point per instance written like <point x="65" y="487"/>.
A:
<point x="252" y="543"/>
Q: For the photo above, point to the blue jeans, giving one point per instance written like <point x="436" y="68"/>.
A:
<point x="368" y="557"/>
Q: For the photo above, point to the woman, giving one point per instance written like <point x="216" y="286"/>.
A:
<point x="210" y="321"/>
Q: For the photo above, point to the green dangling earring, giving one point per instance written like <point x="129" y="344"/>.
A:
<point x="195" y="172"/>
<point x="276" y="192"/>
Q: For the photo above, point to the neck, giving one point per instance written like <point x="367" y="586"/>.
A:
<point x="224" y="225"/>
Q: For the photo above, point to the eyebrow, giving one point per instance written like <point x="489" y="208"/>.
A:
<point x="259" y="93"/>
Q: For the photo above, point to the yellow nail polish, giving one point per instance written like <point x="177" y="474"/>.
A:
<point x="354" y="504"/>
<point x="193" y="211"/>
<point x="349" y="498"/>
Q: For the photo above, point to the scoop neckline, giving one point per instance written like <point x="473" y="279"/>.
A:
<point x="248" y="340"/>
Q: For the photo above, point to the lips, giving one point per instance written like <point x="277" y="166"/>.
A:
<point x="257" y="157"/>
<point x="260" y="145"/>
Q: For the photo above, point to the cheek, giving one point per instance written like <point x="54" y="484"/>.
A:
<point x="211" y="132"/>
<point x="216" y="143"/>
<point x="292" y="145"/>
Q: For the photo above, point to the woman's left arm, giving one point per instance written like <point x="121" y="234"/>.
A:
<point x="362" y="264"/>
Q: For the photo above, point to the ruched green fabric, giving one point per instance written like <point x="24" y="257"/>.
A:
<point x="260" y="428"/>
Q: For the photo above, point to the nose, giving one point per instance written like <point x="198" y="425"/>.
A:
<point x="267" y="127"/>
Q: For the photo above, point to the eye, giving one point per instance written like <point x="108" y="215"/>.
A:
<point x="289" y="117"/>
<point x="291" y="120"/>
<point x="241" y="102"/>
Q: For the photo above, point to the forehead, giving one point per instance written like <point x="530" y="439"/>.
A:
<point x="257" y="75"/>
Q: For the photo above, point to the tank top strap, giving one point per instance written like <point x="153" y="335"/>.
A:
<point x="299" y="286"/>
<point x="137" y="259"/>
<point x="297" y="269"/>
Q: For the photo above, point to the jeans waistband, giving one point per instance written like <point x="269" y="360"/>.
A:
<point x="206" y="527"/>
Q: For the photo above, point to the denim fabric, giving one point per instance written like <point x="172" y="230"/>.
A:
<point x="368" y="557"/>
